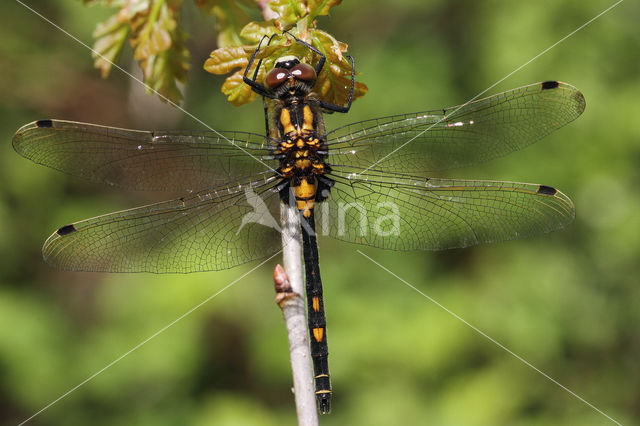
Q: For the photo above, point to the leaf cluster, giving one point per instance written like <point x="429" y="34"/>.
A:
<point x="152" y="29"/>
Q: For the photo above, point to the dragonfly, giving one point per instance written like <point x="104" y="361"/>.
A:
<point x="368" y="183"/>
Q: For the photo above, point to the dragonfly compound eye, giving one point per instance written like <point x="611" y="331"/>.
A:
<point x="276" y="77"/>
<point x="304" y="72"/>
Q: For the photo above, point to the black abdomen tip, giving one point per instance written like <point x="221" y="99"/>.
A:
<point x="66" y="230"/>
<point x="547" y="190"/>
<point x="324" y="404"/>
<point x="44" y="123"/>
<point x="549" y="85"/>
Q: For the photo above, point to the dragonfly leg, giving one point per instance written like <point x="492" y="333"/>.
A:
<point x="257" y="87"/>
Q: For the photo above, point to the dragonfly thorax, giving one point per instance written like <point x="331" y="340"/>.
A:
<point x="302" y="153"/>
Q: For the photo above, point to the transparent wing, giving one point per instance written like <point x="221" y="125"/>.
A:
<point x="403" y="213"/>
<point x="458" y="136"/>
<point x="208" y="231"/>
<point x="144" y="160"/>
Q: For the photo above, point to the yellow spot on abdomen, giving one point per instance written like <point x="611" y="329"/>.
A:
<point x="305" y="189"/>
<point x="305" y="195"/>
<point x="315" y="304"/>
<point x="318" y="334"/>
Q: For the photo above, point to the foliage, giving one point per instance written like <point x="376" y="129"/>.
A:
<point x="153" y="30"/>
<point x="157" y="40"/>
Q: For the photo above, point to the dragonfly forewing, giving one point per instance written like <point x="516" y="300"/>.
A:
<point x="145" y="160"/>
<point x="458" y="136"/>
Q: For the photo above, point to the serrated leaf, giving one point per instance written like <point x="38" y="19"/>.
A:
<point x="334" y="81"/>
<point x="152" y="32"/>
<point x="226" y="59"/>
<point x="159" y="48"/>
<point x="254" y="31"/>
<point x="237" y="92"/>
<point x="168" y="68"/>
<point x="336" y="86"/>
<point x="131" y="8"/>
<point x="289" y="12"/>
<point x="110" y="37"/>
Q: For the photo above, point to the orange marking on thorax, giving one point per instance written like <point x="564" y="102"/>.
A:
<point x="307" y="115"/>
<point x="303" y="163"/>
<point x="302" y="159"/>
<point x="285" y="120"/>
<point x="287" y="171"/>
<point x="286" y="146"/>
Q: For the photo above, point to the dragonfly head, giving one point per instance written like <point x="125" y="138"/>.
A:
<point x="289" y="72"/>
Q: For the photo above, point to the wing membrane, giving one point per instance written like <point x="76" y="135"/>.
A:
<point x="401" y="213"/>
<point x="144" y="160"/>
<point x="208" y="231"/>
<point x="458" y="136"/>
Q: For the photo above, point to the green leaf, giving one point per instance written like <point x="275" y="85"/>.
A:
<point x="158" y="45"/>
<point x="289" y="12"/>
<point x="110" y="37"/>
<point x="254" y="31"/>
<point x="169" y="68"/>
<point x="227" y="59"/>
<point x="334" y="81"/>
<point x="237" y="92"/>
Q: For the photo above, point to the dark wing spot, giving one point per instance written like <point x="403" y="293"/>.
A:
<point x="44" y="123"/>
<point x="549" y="85"/>
<point x="547" y="190"/>
<point x="580" y="102"/>
<point x="66" y="230"/>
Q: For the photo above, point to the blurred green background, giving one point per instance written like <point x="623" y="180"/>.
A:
<point x="569" y="302"/>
